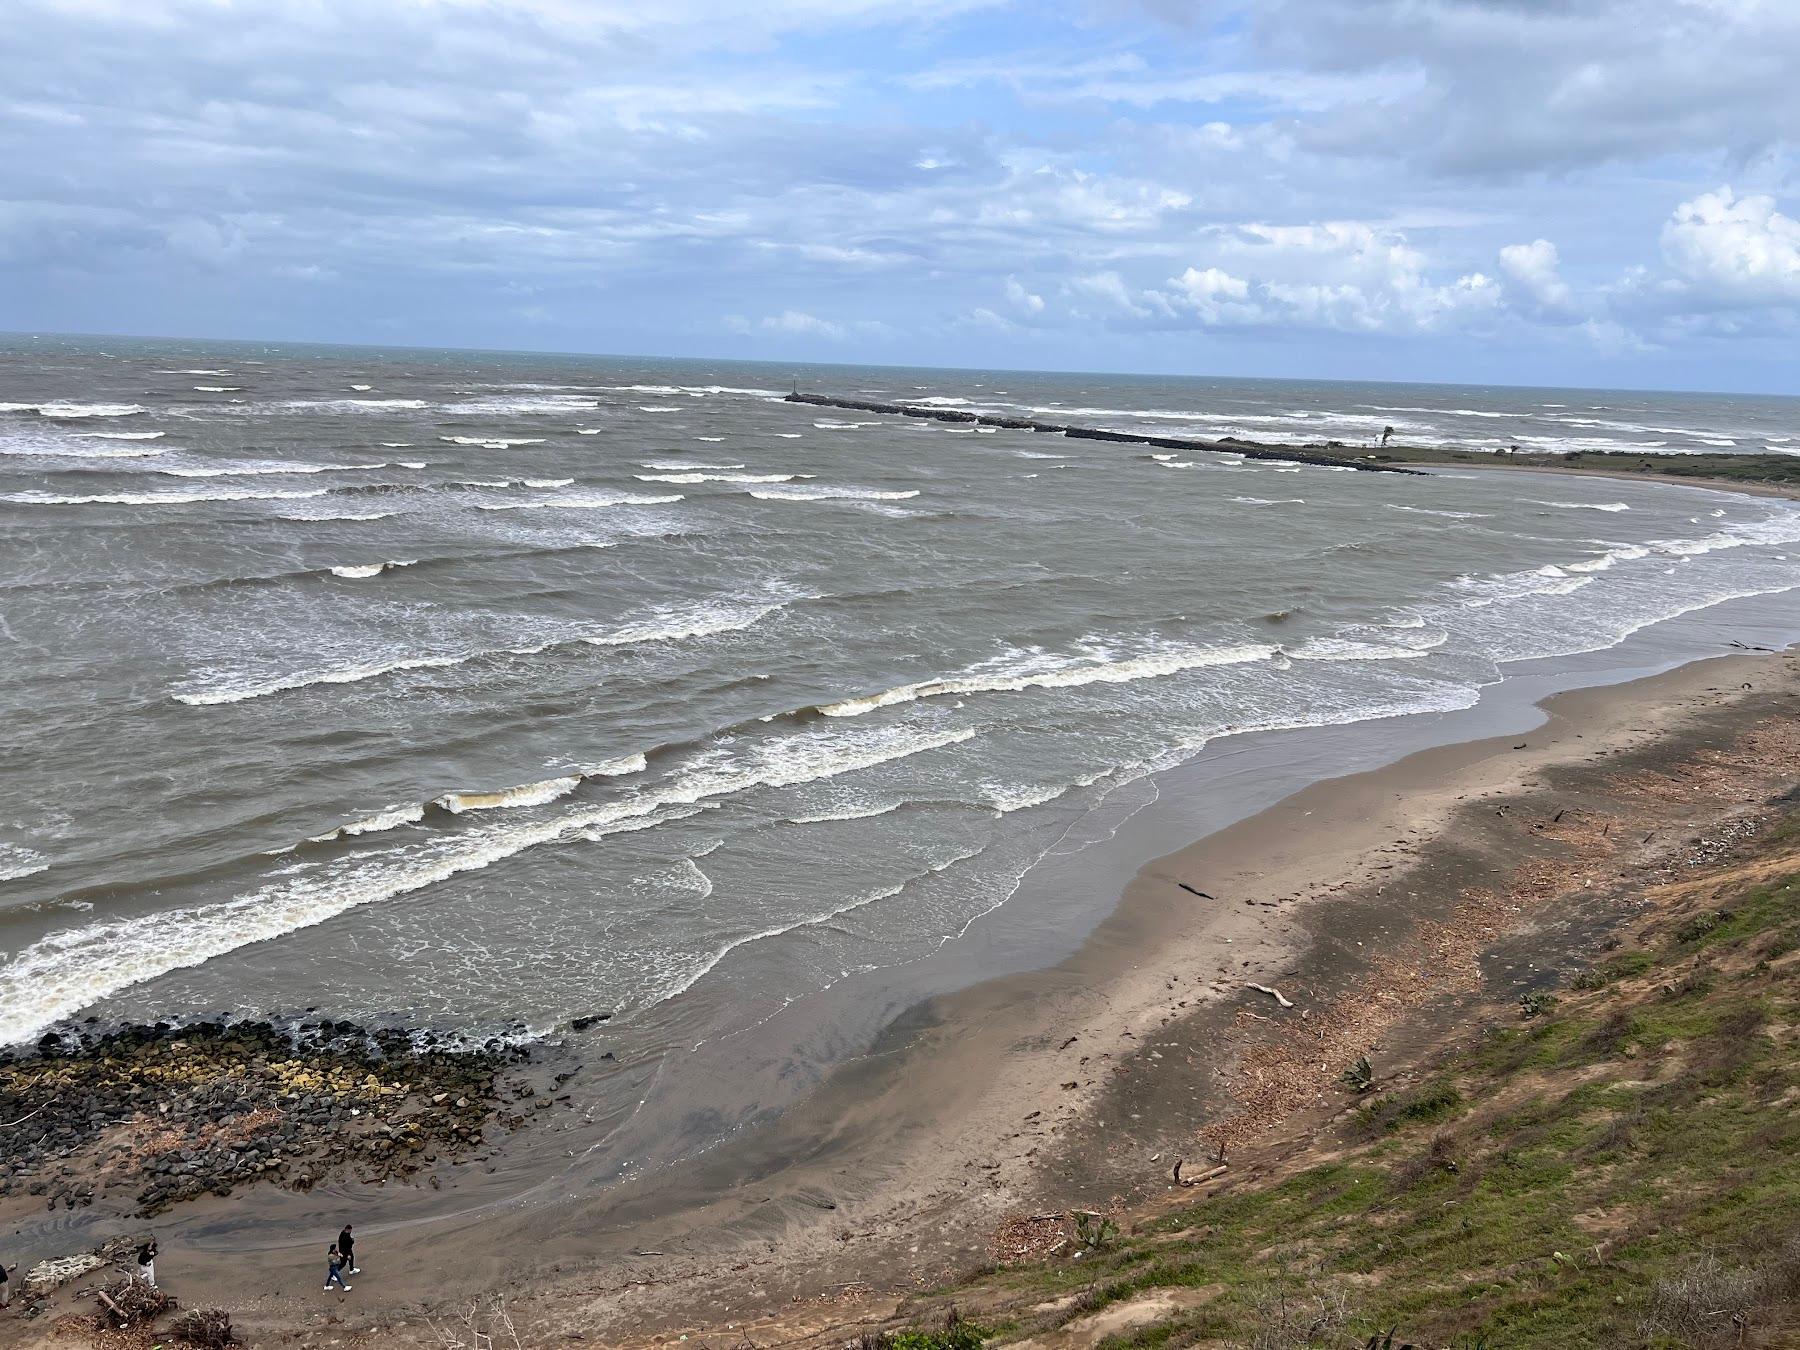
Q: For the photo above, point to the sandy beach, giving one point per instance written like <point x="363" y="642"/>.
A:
<point x="1076" y="1085"/>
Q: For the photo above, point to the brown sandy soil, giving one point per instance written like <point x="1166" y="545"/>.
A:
<point x="1390" y="908"/>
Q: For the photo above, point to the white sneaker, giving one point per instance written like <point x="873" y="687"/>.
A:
<point x="356" y="1271"/>
<point x="328" y="1289"/>
<point x="348" y="1288"/>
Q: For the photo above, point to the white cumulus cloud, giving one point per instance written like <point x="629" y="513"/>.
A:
<point x="1735" y="248"/>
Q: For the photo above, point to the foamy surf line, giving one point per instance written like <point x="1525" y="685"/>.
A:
<point x="460" y="803"/>
<point x="1074" y="674"/>
<point x="670" y="626"/>
<point x="64" y="972"/>
<point x="154" y="498"/>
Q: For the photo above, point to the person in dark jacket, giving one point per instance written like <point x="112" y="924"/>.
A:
<point x="347" y="1248"/>
<point x="146" y="1262"/>
<point x="5" y="1284"/>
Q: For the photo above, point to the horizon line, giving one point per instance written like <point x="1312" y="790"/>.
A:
<point x="886" y="365"/>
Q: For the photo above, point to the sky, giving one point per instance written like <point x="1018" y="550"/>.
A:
<point x="1569" y="192"/>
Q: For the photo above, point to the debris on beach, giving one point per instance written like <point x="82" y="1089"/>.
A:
<point x="1030" y="1237"/>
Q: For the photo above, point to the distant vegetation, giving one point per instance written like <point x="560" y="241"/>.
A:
<point x="1745" y="468"/>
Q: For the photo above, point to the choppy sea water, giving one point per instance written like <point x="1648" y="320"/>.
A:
<point x="482" y="689"/>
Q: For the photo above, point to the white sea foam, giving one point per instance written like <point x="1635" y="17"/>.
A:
<point x="458" y="803"/>
<point x="1041" y="670"/>
<point x="825" y="492"/>
<point x="263" y="467"/>
<point x="622" y="767"/>
<point x="1625" y="553"/>
<point x="154" y="498"/>
<point x="379" y="823"/>
<point x="1005" y="798"/>
<point x="40" y="445"/>
<point x="493" y="442"/>
<point x="719" y="477"/>
<point x="546" y="482"/>
<point x="656" y="408"/>
<point x="210" y="695"/>
<point x="220" y="388"/>
<point x="704" y="619"/>
<point x="350" y="404"/>
<point x="18" y="862"/>
<point x="1583" y="506"/>
<point x="1452" y="515"/>
<point x="358" y="571"/>
<point x="68" y="411"/>
<point x="582" y="503"/>
<point x="682" y="465"/>
<point x="526" y="794"/>
<point x="1271" y="501"/>
<point x="65" y="971"/>
<point x="846" y="813"/>
<point x="119" y="435"/>
<point x="697" y="619"/>
<point x="1349" y="649"/>
<point x="339" y="514"/>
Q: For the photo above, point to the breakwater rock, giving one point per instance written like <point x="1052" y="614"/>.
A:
<point x="1224" y="446"/>
<point x="147" y="1116"/>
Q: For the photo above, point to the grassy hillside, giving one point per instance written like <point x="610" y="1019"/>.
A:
<point x="1616" y="1164"/>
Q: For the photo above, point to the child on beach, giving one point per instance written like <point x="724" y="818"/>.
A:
<point x="146" y="1263"/>
<point x="5" y="1284"/>
<point x="334" y="1270"/>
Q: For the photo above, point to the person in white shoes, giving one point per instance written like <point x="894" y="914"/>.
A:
<point x="347" y="1249"/>
<point x="334" y="1270"/>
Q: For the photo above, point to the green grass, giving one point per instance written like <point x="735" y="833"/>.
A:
<point x="1538" y="1190"/>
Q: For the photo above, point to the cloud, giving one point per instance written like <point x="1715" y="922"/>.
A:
<point x="1512" y="86"/>
<point x="1342" y="275"/>
<point x="1532" y="270"/>
<point x="798" y="323"/>
<point x="1021" y="299"/>
<point x="928" y="180"/>
<point x="1732" y="249"/>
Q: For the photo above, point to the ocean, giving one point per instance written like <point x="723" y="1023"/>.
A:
<point x="487" y="691"/>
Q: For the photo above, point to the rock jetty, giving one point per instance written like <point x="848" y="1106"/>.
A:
<point x="148" y="1116"/>
<point x="1224" y="446"/>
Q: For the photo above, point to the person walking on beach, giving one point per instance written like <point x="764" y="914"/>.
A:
<point x="6" y="1283"/>
<point x="334" y="1270"/>
<point x="347" y="1248"/>
<point x="1387" y="434"/>
<point x="146" y="1262"/>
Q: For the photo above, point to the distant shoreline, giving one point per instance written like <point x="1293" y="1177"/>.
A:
<point x="1752" y="472"/>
